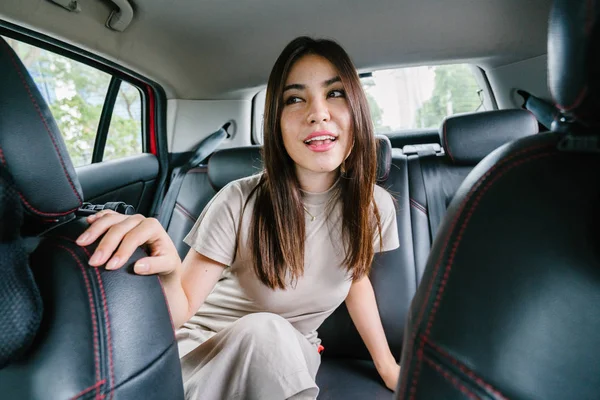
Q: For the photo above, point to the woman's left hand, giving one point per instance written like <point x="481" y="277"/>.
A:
<point x="390" y="375"/>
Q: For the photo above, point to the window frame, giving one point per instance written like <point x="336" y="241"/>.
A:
<point x="152" y="95"/>
<point x="488" y="101"/>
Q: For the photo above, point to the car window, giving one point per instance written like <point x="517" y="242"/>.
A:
<point x="420" y="97"/>
<point x="409" y="98"/>
<point x="76" y="94"/>
<point x="125" y="131"/>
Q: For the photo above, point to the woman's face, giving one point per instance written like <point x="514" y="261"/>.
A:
<point x="315" y="121"/>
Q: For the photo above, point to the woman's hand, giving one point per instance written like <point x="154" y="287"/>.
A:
<point x="123" y="234"/>
<point x="390" y="375"/>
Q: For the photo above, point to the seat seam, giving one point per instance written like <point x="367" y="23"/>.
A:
<point x="456" y="244"/>
<point x="418" y="206"/>
<point x="44" y="122"/>
<point x="185" y="211"/>
<point x="32" y="208"/>
<point x="93" y="312"/>
<point x="106" y="317"/>
<point x="463" y="368"/>
<point x="451" y="379"/>
<point x="434" y="277"/>
<point x="148" y="366"/>
<point x="89" y="389"/>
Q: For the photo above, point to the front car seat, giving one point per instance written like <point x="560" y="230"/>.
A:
<point x="102" y="334"/>
<point x="508" y="305"/>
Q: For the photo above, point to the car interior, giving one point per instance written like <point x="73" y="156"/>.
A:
<point x="487" y="139"/>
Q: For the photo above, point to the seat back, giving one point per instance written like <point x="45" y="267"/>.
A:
<point x="507" y="305"/>
<point x="467" y="139"/>
<point x="393" y="272"/>
<point x="393" y="276"/>
<point x="103" y="334"/>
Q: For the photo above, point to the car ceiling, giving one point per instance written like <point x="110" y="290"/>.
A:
<point x="224" y="49"/>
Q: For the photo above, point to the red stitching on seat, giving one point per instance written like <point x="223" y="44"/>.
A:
<point x="458" y="239"/>
<point x="98" y="384"/>
<point x="108" y="334"/>
<point x="405" y="371"/>
<point x="452" y="380"/>
<point x="418" y="206"/>
<point x="93" y="311"/>
<point x="577" y="102"/>
<point x="32" y="208"/>
<point x="185" y="212"/>
<point x="464" y="368"/>
<point x="106" y="318"/>
<point x="589" y="14"/>
<point x="39" y="111"/>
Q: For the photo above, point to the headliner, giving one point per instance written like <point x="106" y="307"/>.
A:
<point x="217" y="49"/>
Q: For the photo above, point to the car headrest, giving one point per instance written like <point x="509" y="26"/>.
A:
<point x="227" y="165"/>
<point x="31" y="146"/>
<point x="384" y="158"/>
<point x="469" y="138"/>
<point x="574" y="59"/>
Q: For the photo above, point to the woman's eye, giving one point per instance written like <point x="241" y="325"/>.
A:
<point x="337" y="93"/>
<point x="292" y="100"/>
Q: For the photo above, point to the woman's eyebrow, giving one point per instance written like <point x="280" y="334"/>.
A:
<point x="294" y="86"/>
<point x="300" y="86"/>
<point x="331" y="81"/>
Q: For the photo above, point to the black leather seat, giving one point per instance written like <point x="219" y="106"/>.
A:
<point x="346" y="371"/>
<point x="467" y="139"/>
<point x="508" y="305"/>
<point x="103" y="335"/>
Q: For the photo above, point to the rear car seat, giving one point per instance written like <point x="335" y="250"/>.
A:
<point x="467" y="139"/>
<point x="346" y="370"/>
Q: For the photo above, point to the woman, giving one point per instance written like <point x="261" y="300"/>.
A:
<point x="274" y="254"/>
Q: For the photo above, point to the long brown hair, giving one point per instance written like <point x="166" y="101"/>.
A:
<point x="277" y="231"/>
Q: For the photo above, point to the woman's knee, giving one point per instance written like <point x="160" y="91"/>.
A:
<point x="264" y="326"/>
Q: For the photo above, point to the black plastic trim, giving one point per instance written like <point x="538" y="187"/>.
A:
<point x="105" y="119"/>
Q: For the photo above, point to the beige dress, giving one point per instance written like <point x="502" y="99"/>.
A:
<point x="251" y="342"/>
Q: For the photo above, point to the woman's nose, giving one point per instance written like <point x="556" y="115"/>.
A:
<point x="319" y="112"/>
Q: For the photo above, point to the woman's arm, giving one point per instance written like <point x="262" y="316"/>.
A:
<point x="363" y="310"/>
<point x="186" y="284"/>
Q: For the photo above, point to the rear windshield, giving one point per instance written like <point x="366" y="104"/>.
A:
<point x="409" y="98"/>
<point x="420" y="97"/>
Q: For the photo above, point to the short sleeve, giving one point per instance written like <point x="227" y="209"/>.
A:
<point x="214" y="234"/>
<point x="389" y="227"/>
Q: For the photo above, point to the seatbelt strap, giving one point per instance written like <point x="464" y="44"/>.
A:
<point x="205" y="148"/>
<point x="432" y="182"/>
<point x="543" y="111"/>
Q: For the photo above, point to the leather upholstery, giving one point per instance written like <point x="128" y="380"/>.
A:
<point x="384" y="158"/>
<point x="195" y="193"/>
<point x="103" y="334"/>
<point x="574" y="60"/>
<point x="394" y="276"/>
<point x="227" y="165"/>
<point x="20" y="302"/>
<point x="503" y="310"/>
<point x="31" y="146"/>
<point x="468" y="138"/>
<point x="473" y="136"/>
<point x="506" y="308"/>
